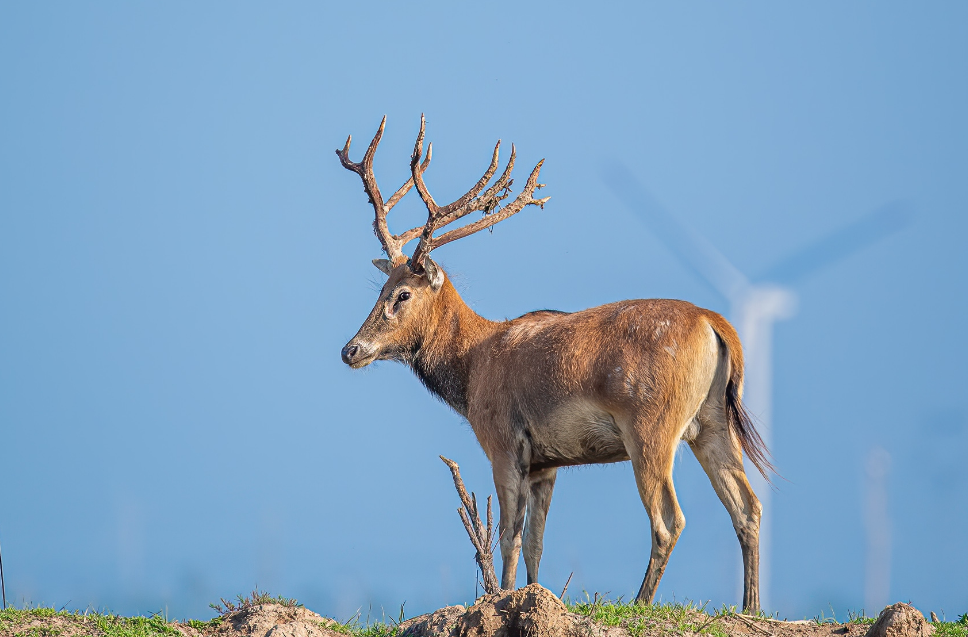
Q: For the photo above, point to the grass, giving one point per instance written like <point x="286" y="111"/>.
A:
<point x="101" y="623"/>
<point x="681" y="618"/>
<point x="255" y="598"/>
<point x="15" y="622"/>
<point x="952" y="629"/>
<point x="378" y="629"/>
<point x="670" y="619"/>
<point x="370" y="628"/>
<point x="639" y="619"/>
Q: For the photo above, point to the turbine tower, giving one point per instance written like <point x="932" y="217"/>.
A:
<point x="755" y="307"/>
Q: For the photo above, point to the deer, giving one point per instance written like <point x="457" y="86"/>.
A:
<point x="626" y="381"/>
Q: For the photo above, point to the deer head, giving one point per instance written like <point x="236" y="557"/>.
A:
<point x="411" y="295"/>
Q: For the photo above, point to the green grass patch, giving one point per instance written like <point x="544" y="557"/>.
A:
<point x="377" y="629"/>
<point x="17" y="622"/>
<point x="117" y="626"/>
<point x="952" y="629"/>
<point x="384" y="627"/>
<point x="639" y="619"/>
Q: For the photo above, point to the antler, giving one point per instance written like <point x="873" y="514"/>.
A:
<point x="473" y="200"/>
<point x="439" y="216"/>
<point x="392" y="244"/>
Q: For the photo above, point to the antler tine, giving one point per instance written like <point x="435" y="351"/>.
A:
<point x="478" y="187"/>
<point x="366" y="165"/>
<point x="392" y="245"/>
<point x="417" y="168"/>
<point x="439" y="216"/>
<point x="398" y="195"/>
<point x="491" y="197"/>
<point x="486" y="201"/>
<point x="526" y="198"/>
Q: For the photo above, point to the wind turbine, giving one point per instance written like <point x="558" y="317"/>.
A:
<point x="755" y="306"/>
<point x="877" y="519"/>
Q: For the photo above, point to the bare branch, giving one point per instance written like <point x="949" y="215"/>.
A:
<point x="482" y="541"/>
<point x="565" y="589"/>
<point x="490" y="520"/>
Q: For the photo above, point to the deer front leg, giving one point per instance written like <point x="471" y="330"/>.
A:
<point x="540" y="486"/>
<point x="511" y="484"/>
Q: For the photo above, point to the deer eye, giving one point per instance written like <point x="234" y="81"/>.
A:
<point x="403" y="296"/>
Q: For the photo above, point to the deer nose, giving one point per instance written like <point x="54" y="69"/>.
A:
<point x="349" y="352"/>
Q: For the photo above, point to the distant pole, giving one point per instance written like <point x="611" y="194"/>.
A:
<point x="877" y="576"/>
<point x="754" y="314"/>
<point x="3" y="588"/>
<point x="758" y="395"/>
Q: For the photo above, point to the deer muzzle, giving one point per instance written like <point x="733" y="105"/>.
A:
<point x="357" y="354"/>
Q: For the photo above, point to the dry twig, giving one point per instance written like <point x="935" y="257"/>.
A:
<point x="752" y="624"/>
<point x="482" y="538"/>
<point x="565" y="589"/>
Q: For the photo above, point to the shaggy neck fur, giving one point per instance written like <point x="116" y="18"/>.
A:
<point x="441" y="356"/>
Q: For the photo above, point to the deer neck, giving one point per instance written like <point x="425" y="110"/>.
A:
<point x="441" y="359"/>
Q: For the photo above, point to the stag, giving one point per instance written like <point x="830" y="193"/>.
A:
<point x="624" y="381"/>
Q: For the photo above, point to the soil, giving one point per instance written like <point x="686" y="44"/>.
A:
<point x="531" y="611"/>
<point x="535" y="611"/>
<point x="262" y="620"/>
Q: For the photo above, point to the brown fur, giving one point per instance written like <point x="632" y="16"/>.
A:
<point x="624" y="381"/>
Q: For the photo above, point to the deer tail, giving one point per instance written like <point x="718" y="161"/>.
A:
<point x="740" y="420"/>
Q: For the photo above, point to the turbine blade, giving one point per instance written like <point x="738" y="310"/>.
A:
<point x="842" y="243"/>
<point x="692" y="249"/>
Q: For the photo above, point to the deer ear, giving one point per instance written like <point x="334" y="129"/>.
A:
<point x="435" y="275"/>
<point x="383" y="265"/>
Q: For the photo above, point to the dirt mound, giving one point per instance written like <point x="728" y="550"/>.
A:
<point x="268" y="620"/>
<point x="532" y="611"/>
<point x="438" y="623"/>
<point x="901" y="620"/>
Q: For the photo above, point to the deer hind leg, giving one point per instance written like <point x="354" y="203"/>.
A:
<point x="511" y="485"/>
<point x="721" y="457"/>
<point x="540" y="486"/>
<point x="653" y="475"/>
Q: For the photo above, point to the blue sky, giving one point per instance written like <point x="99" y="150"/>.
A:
<point x="182" y="257"/>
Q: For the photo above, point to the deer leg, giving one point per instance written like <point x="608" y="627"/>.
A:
<point x="658" y="494"/>
<point x="721" y="458"/>
<point x="540" y="486"/>
<point x="512" y="494"/>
